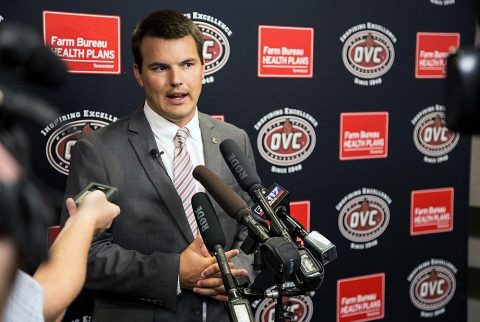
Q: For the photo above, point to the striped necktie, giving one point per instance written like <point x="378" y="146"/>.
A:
<point x="182" y="177"/>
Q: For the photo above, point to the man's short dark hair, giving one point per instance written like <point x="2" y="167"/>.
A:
<point x="165" y="24"/>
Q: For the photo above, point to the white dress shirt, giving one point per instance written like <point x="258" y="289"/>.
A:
<point x="165" y="131"/>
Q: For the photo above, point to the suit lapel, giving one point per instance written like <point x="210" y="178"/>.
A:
<point x="210" y="142"/>
<point x="143" y="141"/>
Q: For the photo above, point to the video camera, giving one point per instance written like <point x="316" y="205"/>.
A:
<point x="27" y="211"/>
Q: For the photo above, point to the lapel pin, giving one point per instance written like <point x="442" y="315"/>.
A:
<point x="214" y="140"/>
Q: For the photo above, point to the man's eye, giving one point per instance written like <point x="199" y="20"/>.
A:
<point x="159" y="68"/>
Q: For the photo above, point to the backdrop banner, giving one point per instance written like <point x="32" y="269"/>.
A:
<point x="343" y="102"/>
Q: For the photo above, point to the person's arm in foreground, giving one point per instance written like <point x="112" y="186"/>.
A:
<point x="62" y="276"/>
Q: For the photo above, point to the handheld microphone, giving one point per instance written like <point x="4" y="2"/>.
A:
<point x="278" y="253"/>
<point x="233" y="205"/>
<point x="214" y="238"/>
<point x="248" y="179"/>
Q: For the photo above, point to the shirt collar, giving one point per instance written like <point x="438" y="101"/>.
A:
<point x="165" y="130"/>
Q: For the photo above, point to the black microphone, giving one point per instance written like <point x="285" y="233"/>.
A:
<point x="318" y="244"/>
<point x="278" y="253"/>
<point x="155" y="153"/>
<point x="214" y="239"/>
<point x="233" y="205"/>
<point x="22" y="50"/>
<point x="27" y="106"/>
<point x="310" y="275"/>
<point x="248" y="179"/>
<point x="322" y="248"/>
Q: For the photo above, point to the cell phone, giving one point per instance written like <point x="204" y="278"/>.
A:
<point x="110" y="192"/>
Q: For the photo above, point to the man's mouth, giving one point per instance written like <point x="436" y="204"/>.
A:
<point x="177" y="96"/>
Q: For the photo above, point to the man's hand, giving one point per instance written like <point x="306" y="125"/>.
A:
<point x="200" y="272"/>
<point x="211" y="283"/>
<point x="193" y="260"/>
<point x="95" y="207"/>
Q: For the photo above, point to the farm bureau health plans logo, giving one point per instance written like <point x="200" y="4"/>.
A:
<point x="87" y="43"/>
<point x="285" y="51"/>
<point x="368" y="52"/>
<point x="216" y="48"/>
<point x="64" y="131"/>
<point x="286" y="137"/>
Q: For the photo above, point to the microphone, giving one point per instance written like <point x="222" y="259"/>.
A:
<point x="233" y="205"/>
<point x="278" y="253"/>
<point x="248" y="179"/>
<point x="214" y="239"/>
<point x="310" y="275"/>
<point x="318" y="244"/>
<point x="22" y="50"/>
<point x="27" y="106"/>
<point x="155" y="153"/>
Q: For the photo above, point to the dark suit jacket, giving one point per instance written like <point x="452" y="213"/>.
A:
<point x="133" y="267"/>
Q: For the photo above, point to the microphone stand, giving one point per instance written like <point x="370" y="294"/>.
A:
<point x="281" y="311"/>
<point x="282" y="288"/>
<point x="278" y="292"/>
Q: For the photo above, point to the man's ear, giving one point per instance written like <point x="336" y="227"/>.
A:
<point x="138" y="75"/>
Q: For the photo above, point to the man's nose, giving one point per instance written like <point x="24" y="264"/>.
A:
<point x="175" y="77"/>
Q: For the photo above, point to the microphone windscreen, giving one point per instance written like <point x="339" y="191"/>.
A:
<point x="22" y="50"/>
<point x="220" y="191"/>
<point x="246" y="176"/>
<point x="27" y="106"/>
<point x="207" y="221"/>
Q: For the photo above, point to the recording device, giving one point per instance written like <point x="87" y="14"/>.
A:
<point x="462" y="95"/>
<point x="322" y="248"/>
<point x="110" y="192"/>
<point x="26" y="214"/>
<point x="20" y="105"/>
<point x="249" y="181"/>
<point x="279" y="254"/>
<point x="311" y="272"/>
<point x="311" y="275"/>
<point x="233" y="205"/>
<point x="214" y="239"/>
<point x="27" y="208"/>
<point x="319" y="245"/>
<point x="22" y="50"/>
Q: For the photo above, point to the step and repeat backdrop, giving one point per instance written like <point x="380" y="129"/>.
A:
<point x="343" y="102"/>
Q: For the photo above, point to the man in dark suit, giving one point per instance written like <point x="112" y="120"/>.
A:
<point x="149" y="266"/>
